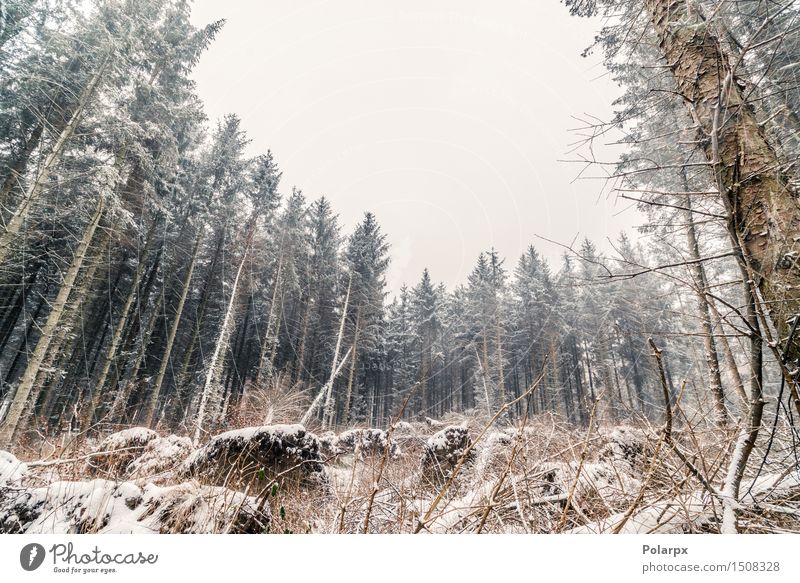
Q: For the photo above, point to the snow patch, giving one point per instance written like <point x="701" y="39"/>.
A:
<point x="106" y="507"/>
<point x="161" y="456"/>
<point x="11" y="469"/>
<point x="116" y="452"/>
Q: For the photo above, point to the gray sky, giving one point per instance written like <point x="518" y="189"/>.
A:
<point x="444" y="118"/>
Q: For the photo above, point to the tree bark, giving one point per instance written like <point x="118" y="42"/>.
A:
<point x="763" y="209"/>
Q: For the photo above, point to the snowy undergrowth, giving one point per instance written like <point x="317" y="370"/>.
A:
<point x="542" y="477"/>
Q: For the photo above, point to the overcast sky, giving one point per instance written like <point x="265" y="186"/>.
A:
<point x="445" y="118"/>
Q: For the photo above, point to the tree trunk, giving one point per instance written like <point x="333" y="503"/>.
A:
<point x="25" y="389"/>
<point x="353" y="364"/>
<point x="155" y="392"/>
<point x="270" y="343"/>
<point x="763" y="210"/>
<point x="210" y="397"/>
<point x="704" y="313"/>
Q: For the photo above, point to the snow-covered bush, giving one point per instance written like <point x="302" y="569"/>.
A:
<point x="254" y="456"/>
<point x="161" y="456"/>
<point x="114" y="454"/>
<point x="367" y="442"/>
<point x="103" y="506"/>
<point x="443" y="450"/>
<point x="11" y="469"/>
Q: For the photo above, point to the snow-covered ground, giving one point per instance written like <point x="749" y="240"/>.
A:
<point x="413" y="477"/>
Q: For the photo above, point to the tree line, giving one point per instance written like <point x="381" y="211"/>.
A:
<point x="153" y="272"/>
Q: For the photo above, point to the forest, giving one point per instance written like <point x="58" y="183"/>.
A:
<point x="161" y="285"/>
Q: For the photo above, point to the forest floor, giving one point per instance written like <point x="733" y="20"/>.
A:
<point x="456" y="475"/>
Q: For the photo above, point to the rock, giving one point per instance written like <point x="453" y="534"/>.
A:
<point x="443" y="450"/>
<point x="123" y="448"/>
<point x="161" y="456"/>
<point x="367" y="442"/>
<point x="251" y="458"/>
<point x="11" y="469"/>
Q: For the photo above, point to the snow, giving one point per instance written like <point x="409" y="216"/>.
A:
<point x="11" y="469"/>
<point x="115" y="453"/>
<point x="160" y="457"/>
<point x="364" y="442"/>
<point x="107" y="507"/>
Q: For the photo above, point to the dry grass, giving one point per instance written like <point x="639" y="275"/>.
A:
<point x="541" y="475"/>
